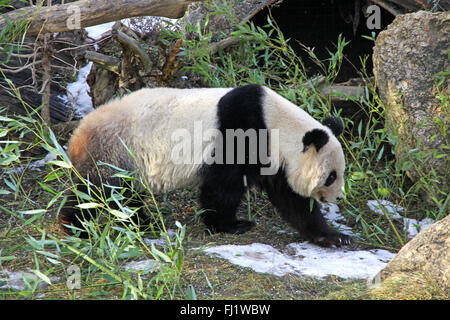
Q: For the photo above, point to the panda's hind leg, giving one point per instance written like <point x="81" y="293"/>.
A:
<point x="220" y="195"/>
<point x="72" y="215"/>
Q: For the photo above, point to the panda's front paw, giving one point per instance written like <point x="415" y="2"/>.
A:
<point x="335" y="238"/>
<point x="242" y="226"/>
<point x="237" y="227"/>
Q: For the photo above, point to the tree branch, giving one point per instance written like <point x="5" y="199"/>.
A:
<point x="223" y="44"/>
<point x="104" y="61"/>
<point x="86" y="13"/>
<point x="134" y="47"/>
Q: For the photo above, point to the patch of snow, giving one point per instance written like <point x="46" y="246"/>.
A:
<point x="150" y="265"/>
<point x="162" y="241"/>
<point x="35" y="165"/>
<point x="285" y="232"/>
<point x="78" y="97"/>
<point x="96" y="32"/>
<point x="331" y="213"/>
<point x="141" y="25"/>
<point x="143" y="265"/>
<point x="307" y="259"/>
<point x="413" y="227"/>
<point x="21" y="280"/>
<point x="391" y="209"/>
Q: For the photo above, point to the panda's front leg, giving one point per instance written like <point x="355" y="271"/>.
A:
<point x="220" y="195"/>
<point x="316" y="228"/>
<point x="302" y="213"/>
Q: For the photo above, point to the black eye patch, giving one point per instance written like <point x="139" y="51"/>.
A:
<point x="330" y="178"/>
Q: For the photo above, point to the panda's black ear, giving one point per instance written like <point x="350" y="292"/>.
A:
<point x="335" y="124"/>
<point x="316" y="137"/>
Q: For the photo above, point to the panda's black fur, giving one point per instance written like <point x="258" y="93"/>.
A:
<point x="234" y="113"/>
<point x="223" y="185"/>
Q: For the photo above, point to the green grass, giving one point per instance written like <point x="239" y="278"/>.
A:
<point x="30" y="200"/>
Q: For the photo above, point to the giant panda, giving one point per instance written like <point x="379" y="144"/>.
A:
<point x="303" y="166"/>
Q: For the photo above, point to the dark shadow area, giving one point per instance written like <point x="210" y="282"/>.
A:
<point x="318" y="23"/>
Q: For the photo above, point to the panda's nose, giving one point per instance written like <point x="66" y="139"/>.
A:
<point x="339" y="198"/>
<point x="322" y="199"/>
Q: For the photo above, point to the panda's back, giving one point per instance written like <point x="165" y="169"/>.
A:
<point x="144" y="122"/>
<point x="168" y="116"/>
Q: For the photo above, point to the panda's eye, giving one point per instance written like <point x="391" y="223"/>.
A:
<point x="330" y="178"/>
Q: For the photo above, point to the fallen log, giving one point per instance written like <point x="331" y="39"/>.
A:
<point x="414" y="5"/>
<point x="86" y="13"/>
<point x="104" y="61"/>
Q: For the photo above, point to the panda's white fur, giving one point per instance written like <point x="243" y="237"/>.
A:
<point x="145" y="120"/>
<point x="306" y="171"/>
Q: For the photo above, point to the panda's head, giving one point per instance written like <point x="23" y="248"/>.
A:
<point x="320" y="173"/>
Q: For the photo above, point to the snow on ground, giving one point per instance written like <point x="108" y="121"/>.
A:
<point x="308" y="259"/>
<point x="305" y="259"/>
<point x="96" y="32"/>
<point x="21" y="280"/>
<point x="331" y="213"/>
<point x="149" y="265"/>
<point x="78" y="97"/>
<point x="411" y="226"/>
<point x="162" y="241"/>
<point x="142" y="265"/>
<point x="35" y="165"/>
<point x="391" y="209"/>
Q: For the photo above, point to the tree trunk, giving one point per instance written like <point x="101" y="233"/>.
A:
<point x="86" y="13"/>
<point x="46" y="75"/>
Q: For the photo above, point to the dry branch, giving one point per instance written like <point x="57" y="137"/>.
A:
<point x="104" y="61"/>
<point x="171" y="65"/>
<point x="338" y="92"/>
<point x="46" y="74"/>
<point x="86" y="13"/>
<point x="223" y="44"/>
<point x="351" y="89"/>
<point x="134" y="46"/>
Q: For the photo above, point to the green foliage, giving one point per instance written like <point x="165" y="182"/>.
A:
<point x="114" y="239"/>
<point x="13" y="35"/>
<point x="262" y="55"/>
<point x="26" y="209"/>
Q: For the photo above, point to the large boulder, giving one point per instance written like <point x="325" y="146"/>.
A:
<point x="408" y="57"/>
<point x="424" y="259"/>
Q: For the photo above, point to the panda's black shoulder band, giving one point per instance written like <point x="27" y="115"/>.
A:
<point x="316" y="137"/>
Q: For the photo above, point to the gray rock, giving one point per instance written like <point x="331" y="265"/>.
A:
<point x="427" y="254"/>
<point x="407" y="57"/>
